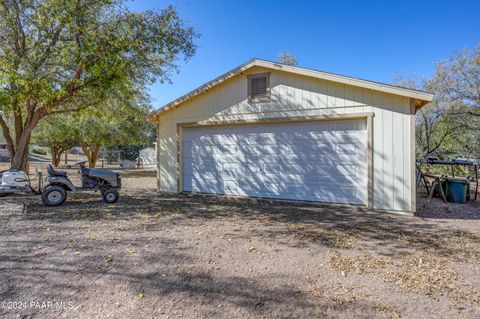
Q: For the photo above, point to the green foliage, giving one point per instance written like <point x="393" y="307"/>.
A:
<point x="116" y="153"/>
<point x="449" y="124"/>
<point x="55" y="131"/>
<point x="458" y="80"/>
<point x="64" y="56"/>
<point x="120" y="120"/>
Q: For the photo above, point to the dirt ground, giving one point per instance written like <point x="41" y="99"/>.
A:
<point x="180" y="256"/>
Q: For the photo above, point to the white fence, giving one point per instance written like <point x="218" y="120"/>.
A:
<point x="148" y="156"/>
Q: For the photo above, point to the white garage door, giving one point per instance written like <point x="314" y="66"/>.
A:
<point x="315" y="161"/>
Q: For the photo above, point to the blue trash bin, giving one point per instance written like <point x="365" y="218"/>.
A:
<point x="456" y="190"/>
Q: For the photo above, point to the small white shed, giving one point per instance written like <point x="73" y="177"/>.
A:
<point x="148" y="155"/>
<point x="4" y="153"/>
<point x="271" y="130"/>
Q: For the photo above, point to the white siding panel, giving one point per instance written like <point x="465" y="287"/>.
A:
<point x="388" y="168"/>
<point x="398" y="160"/>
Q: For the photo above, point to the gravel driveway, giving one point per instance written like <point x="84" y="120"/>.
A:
<point x="179" y="256"/>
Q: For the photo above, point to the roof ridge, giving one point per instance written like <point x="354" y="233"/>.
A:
<point x="378" y="86"/>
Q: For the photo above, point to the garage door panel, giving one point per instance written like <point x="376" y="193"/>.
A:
<point x="346" y="149"/>
<point x="319" y="161"/>
<point x="200" y="183"/>
<point x="335" y="195"/>
<point x="309" y="148"/>
<point x="319" y="158"/>
<point x="201" y="160"/>
<point x="266" y="150"/>
<point x="214" y="174"/>
<point x="205" y="150"/>
<point x="275" y="189"/>
<point x="249" y="186"/>
<point x="249" y="150"/>
<point x="266" y="139"/>
<point x="248" y="168"/>
<point x="211" y="136"/>
<point x="271" y="159"/>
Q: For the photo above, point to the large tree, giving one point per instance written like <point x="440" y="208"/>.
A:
<point x="449" y="124"/>
<point x="437" y="125"/>
<point x="64" y="56"/>
<point x="119" y="120"/>
<point x="56" y="132"/>
<point x="457" y="80"/>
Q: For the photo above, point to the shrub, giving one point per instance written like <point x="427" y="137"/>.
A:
<point x="117" y="153"/>
<point x="40" y="151"/>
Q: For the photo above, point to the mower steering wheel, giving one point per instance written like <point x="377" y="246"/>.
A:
<point x="80" y="163"/>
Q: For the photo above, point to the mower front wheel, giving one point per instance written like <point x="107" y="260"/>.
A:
<point x="110" y="195"/>
<point x="54" y="195"/>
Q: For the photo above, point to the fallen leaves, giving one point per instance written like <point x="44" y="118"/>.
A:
<point x="337" y="293"/>
<point x="130" y="251"/>
<point x="433" y="276"/>
<point x="328" y="236"/>
<point x="388" y="312"/>
<point x="359" y="264"/>
<point x="257" y="302"/>
<point x="420" y="272"/>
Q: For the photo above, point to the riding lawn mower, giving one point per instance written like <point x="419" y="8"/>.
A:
<point x="56" y="185"/>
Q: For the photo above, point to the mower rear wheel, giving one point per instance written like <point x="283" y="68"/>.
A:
<point x="110" y="195"/>
<point x="54" y="195"/>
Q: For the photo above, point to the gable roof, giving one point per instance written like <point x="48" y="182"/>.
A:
<point x="420" y="97"/>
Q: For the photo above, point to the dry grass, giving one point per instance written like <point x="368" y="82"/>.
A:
<point x="347" y="297"/>
<point x="388" y="312"/>
<point x="419" y="272"/>
<point x="337" y="293"/>
<point x="360" y="264"/>
<point x="433" y="276"/>
<point x="271" y="259"/>
<point x="328" y="236"/>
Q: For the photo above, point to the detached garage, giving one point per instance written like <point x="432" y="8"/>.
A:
<point x="270" y="130"/>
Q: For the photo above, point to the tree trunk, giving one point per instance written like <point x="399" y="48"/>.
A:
<point x="91" y="152"/>
<point x="20" y="158"/>
<point x="8" y="137"/>
<point x="92" y="160"/>
<point x="56" y="155"/>
<point x="53" y="152"/>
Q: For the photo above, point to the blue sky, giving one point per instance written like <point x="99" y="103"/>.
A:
<point x="367" y="39"/>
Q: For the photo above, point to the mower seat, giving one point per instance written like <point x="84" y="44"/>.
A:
<point x="54" y="173"/>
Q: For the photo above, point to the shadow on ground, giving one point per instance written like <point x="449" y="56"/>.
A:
<point x="151" y="248"/>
